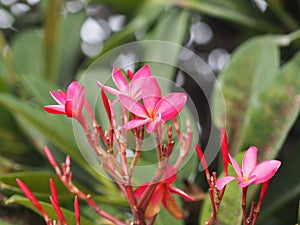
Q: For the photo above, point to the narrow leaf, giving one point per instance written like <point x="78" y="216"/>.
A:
<point x="69" y="215"/>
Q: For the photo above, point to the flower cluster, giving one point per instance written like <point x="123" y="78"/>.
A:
<point x="140" y="98"/>
<point x="250" y="173"/>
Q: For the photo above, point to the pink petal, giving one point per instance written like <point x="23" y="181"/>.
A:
<point x="170" y="175"/>
<point x="145" y="87"/>
<point x="108" y="89"/>
<point x="265" y="170"/>
<point x="151" y="93"/>
<point x="243" y="184"/>
<point x="79" y="100"/>
<point x="250" y="160"/>
<point x="69" y="108"/>
<point x="152" y="125"/>
<point x="143" y="72"/>
<point x="135" y="123"/>
<point x="133" y="106"/>
<point x="119" y="79"/>
<point x="130" y="74"/>
<point x="220" y="184"/>
<point x="235" y="166"/>
<point x="181" y="193"/>
<point x="59" y="98"/>
<point x="72" y="89"/>
<point x="140" y="190"/>
<point x="170" y="105"/>
<point x="55" y="109"/>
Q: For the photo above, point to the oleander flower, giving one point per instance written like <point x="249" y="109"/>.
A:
<point x="69" y="103"/>
<point x="163" y="195"/>
<point x="251" y="172"/>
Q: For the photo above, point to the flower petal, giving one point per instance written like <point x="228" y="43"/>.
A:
<point x="119" y="79"/>
<point x="235" y="166"/>
<point x="72" y="89"/>
<point x="152" y="125"/>
<point x="181" y="193"/>
<point x="171" y="205"/>
<point x="151" y="92"/>
<point x="170" y="175"/>
<point x="79" y="100"/>
<point x="143" y="72"/>
<point x="265" y="170"/>
<point x="250" y="160"/>
<point x="108" y="89"/>
<point x="133" y="106"/>
<point x="220" y="184"/>
<point x="55" y="109"/>
<point x="140" y="189"/>
<point x="170" y="105"/>
<point x="155" y="203"/>
<point x="135" y="123"/>
<point x="69" y="108"/>
<point x="243" y="184"/>
<point x="60" y="97"/>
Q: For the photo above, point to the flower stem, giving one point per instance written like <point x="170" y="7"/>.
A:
<point x="244" y="201"/>
<point x="145" y="198"/>
<point x="262" y="195"/>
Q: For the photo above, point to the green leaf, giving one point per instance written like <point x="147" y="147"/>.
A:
<point x="284" y="187"/>
<point x="7" y="165"/>
<point x="162" y="56"/>
<point x="147" y="14"/>
<point x="51" y="39"/>
<point x="57" y="129"/>
<point x="240" y="12"/>
<point x="69" y="46"/>
<point x="230" y="211"/>
<point x="252" y="67"/>
<point x="69" y="215"/>
<point x="276" y="109"/>
<point x="38" y="89"/>
<point x="299" y="213"/>
<point x="38" y="182"/>
<point x="28" y="53"/>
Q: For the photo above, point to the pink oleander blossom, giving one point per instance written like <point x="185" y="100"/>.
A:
<point x="70" y="102"/>
<point x="134" y="88"/>
<point x="163" y="195"/>
<point x="251" y="172"/>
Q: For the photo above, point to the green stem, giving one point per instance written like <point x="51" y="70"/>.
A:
<point x="285" y="40"/>
<point x="286" y="18"/>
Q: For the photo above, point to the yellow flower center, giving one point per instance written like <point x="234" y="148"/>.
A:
<point x="246" y="177"/>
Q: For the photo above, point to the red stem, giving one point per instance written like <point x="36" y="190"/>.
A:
<point x="262" y="195"/>
<point x="244" y="201"/>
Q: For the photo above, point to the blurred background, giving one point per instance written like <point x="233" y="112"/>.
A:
<point x="252" y="46"/>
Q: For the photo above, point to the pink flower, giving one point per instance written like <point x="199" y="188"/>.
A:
<point x="135" y="87"/>
<point x="163" y="195"/>
<point x="70" y="103"/>
<point x="251" y="173"/>
<point x="155" y="109"/>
